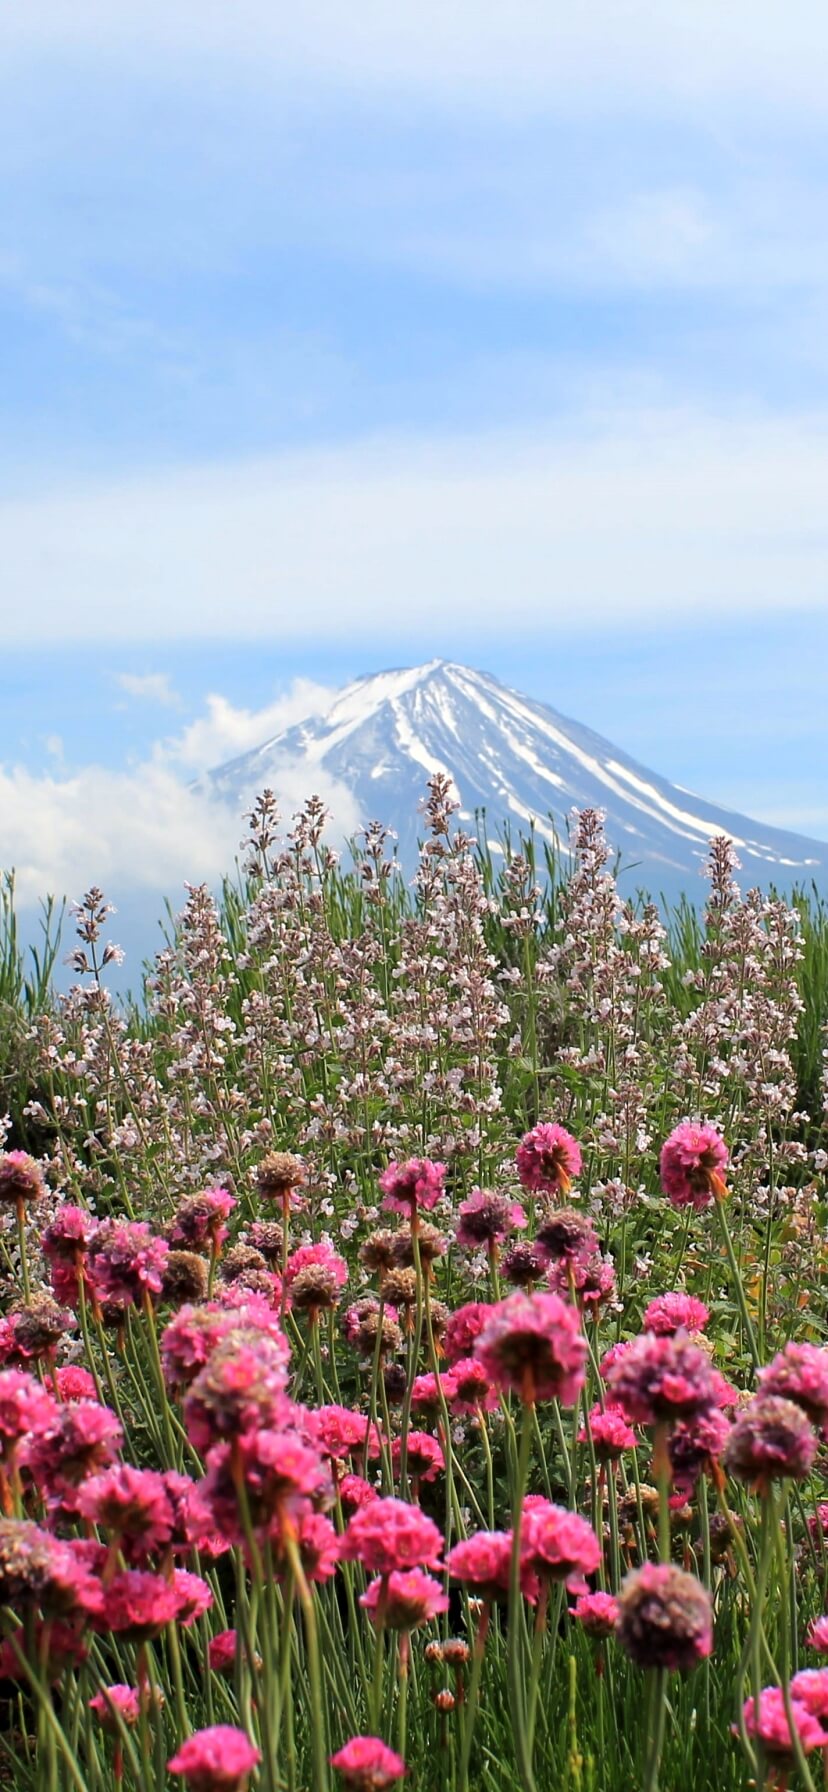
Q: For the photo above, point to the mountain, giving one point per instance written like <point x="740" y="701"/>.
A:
<point x="518" y="760"/>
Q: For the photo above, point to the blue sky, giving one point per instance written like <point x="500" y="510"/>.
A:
<point x="348" y="339"/>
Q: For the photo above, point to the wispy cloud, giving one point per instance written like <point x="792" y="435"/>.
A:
<point x="643" y="515"/>
<point x="149" y="687"/>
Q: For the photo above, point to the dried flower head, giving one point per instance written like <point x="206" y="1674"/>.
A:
<point x="772" y="1440"/>
<point x="665" y="1618"/>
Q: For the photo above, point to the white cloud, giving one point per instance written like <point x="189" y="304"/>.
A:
<point x="641" y="515"/>
<point x="150" y="687"/>
<point x="226" y="731"/>
<point x="147" y="829"/>
<point x="472" y="51"/>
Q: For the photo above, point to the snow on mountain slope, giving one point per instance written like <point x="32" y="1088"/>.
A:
<point x="518" y="760"/>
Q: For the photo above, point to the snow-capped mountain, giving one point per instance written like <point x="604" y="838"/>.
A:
<point x="519" y="761"/>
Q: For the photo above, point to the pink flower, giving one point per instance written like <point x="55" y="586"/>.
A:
<point x="117" y="1701"/>
<point x="665" y="1618"/>
<point x="486" y="1219"/>
<point x="339" y="1431"/>
<point x="471" y="1390"/>
<point x="199" y="1221"/>
<point x="800" y="1373"/>
<point x="590" y="1279"/>
<point x="817" y="1635"/>
<point x="389" y="1534"/>
<point x="548" y="1159"/>
<point x="240" y="1389"/>
<point x="82" y="1440"/>
<point x="62" y="1645"/>
<point x="137" y="1605"/>
<point x="319" y="1546"/>
<point x="194" y="1596"/>
<point x="132" y="1504"/>
<point x="367" y="1765"/>
<point x="661" y="1379"/>
<point x="402" y="1600"/>
<point x="533" y="1345"/>
<point x="219" y="1759"/>
<point x="810" y="1688"/>
<point x="565" y="1234"/>
<point x="21" y="1178"/>
<point x="523" y="1264"/>
<point x="483" y="1563"/>
<point x="669" y="1313"/>
<point x="770" y="1726"/>
<point x="25" y="1408"/>
<point x="464" y="1326"/>
<point x="278" y="1469"/>
<point x="66" y="1239"/>
<point x="692" y="1163"/>
<point x="39" y="1571"/>
<point x="313" y="1256"/>
<point x="354" y="1492"/>
<point x="597" y="1614"/>
<point x="694" y="1445"/>
<point x="126" y="1262"/>
<point x="71" y="1382"/>
<point x="611" y="1435"/>
<point x="425" y="1394"/>
<point x="559" y="1545"/>
<point x="425" y="1456"/>
<point x="222" y="1650"/>
<point x="419" y="1183"/>
<point x="772" y="1440"/>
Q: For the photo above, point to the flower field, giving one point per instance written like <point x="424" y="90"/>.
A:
<point x="413" y="1362"/>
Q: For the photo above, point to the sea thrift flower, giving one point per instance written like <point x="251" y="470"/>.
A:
<point x="413" y="1186"/>
<point x="661" y="1379"/>
<point x="368" y="1765"/>
<point x="770" y="1726"/>
<point x="597" y="1614"/>
<point x="240" y="1389"/>
<point x="533" y="1345"/>
<point x="71" y="1382"/>
<point x="425" y="1393"/>
<point x="817" y="1635"/>
<point x="425" y="1456"/>
<point x="268" y="1237"/>
<point x="278" y="1176"/>
<point x="339" y="1431"/>
<point x="222" y="1650"/>
<point x="486" y="1219"/>
<point x="483" y="1563"/>
<point x="219" y="1759"/>
<point x="21" y="1179"/>
<point x="610" y="1432"/>
<point x="389" y="1534"/>
<point x="469" y="1389"/>
<point x="665" y="1618"/>
<point x="311" y="1255"/>
<point x="464" y="1326"/>
<point x="138" y="1605"/>
<point x="37" y="1570"/>
<point x="194" y="1595"/>
<point x="35" y="1330"/>
<point x="523" y="1264"/>
<point x="25" y="1408"/>
<point x="126" y="1262"/>
<point x="401" y="1601"/>
<point x="669" y="1313"/>
<point x="278" y="1470"/>
<point x="800" y="1373"/>
<point x="694" y="1445"/>
<point x="82" y="1440"/>
<point x="361" y="1325"/>
<point x="558" y="1544"/>
<point x="198" y="1223"/>
<point x="810" y="1688"/>
<point x="132" y="1504"/>
<point x="772" y="1440"/>
<point x="186" y="1275"/>
<point x="548" y="1159"/>
<point x="117" y="1701"/>
<point x="692" y="1165"/>
<point x="565" y="1233"/>
<point x="66" y="1239"/>
<point x="590" y="1280"/>
<point x="319" y="1546"/>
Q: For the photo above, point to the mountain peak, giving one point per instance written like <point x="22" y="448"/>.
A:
<point x="522" y="763"/>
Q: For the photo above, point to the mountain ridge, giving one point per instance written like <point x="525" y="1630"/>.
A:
<point x="520" y="761"/>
